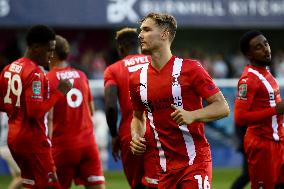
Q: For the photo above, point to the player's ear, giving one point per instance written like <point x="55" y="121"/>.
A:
<point x="165" y="34"/>
<point x="35" y="48"/>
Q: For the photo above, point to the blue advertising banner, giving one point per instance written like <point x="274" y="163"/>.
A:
<point x="110" y="13"/>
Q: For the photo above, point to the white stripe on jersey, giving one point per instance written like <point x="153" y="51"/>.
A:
<point x="271" y="101"/>
<point x="176" y="91"/>
<point x="143" y="94"/>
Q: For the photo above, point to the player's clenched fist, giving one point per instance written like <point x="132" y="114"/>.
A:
<point x="137" y="145"/>
<point x="64" y="86"/>
<point x="181" y="116"/>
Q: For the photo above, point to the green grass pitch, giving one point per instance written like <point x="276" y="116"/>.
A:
<point x="222" y="179"/>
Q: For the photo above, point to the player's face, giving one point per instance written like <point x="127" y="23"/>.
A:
<point x="46" y="53"/>
<point x="150" y="36"/>
<point x="259" y="51"/>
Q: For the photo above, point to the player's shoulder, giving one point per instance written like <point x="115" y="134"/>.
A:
<point x="248" y="73"/>
<point x="248" y="77"/>
<point x="191" y="62"/>
<point x="24" y="67"/>
<point x="114" y="66"/>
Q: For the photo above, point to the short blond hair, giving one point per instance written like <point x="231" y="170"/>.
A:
<point x="166" y="21"/>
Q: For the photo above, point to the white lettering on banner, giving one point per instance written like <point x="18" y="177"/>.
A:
<point x="214" y="7"/>
<point x="206" y="8"/>
<point x="118" y="10"/>
<point x="4" y="8"/>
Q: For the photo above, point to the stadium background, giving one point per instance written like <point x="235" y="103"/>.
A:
<point x="208" y="30"/>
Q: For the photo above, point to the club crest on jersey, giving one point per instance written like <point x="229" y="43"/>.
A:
<point x="175" y="81"/>
<point x="36" y="85"/>
<point x="243" y="91"/>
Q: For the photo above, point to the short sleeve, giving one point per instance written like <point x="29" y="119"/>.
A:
<point x="35" y="89"/>
<point x="247" y="88"/>
<point x="134" y="89"/>
<point x="109" y="78"/>
<point x="202" y="82"/>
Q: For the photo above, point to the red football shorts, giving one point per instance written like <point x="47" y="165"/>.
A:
<point x="151" y="162"/>
<point x="37" y="169"/>
<point x="265" y="161"/>
<point x="195" y="176"/>
<point x="81" y="164"/>
<point x="132" y="164"/>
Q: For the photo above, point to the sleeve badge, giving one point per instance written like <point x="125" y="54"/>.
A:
<point x="243" y="91"/>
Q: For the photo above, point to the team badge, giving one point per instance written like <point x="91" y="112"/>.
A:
<point x="36" y="87"/>
<point x="243" y="90"/>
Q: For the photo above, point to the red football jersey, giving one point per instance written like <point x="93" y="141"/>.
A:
<point x="72" y="121"/>
<point x="118" y="74"/>
<point x="258" y="93"/>
<point x="184" y="83"/>
<point x="25" y="95"/>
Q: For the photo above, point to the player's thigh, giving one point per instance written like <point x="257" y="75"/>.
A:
<point x="90" y="169"/>
<point x="66" y="162"/>
<point x="261" y="162"/>
<point x="37" y="169"/>
<point x="132" y="164"/>
<point x="199" y="176"/>
<point x="151" y="165"/>
<point x="196" y="176"/>
<point x="281" y="169"/>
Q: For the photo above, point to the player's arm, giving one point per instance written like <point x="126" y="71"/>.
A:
<point x="90" y="98"/>
<point x="204" y="86"/>
<point x="138" y="129"/>
<point x="243" y="113"/>
<point x="217" y="108"/>
<point x="246" y="117"/>
<point x="37" y="109"/>
<point x="111" y="109"/>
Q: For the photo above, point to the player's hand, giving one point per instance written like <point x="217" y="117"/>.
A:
<point x="64" y="86"/>
<point x="280" y="107"/>
<point x="138" y="145"/>
<point x="181" y="116"/>
<point x="115" y="148"/>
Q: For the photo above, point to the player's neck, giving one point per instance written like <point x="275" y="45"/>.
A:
<point x="161" y="58"/>
<point x="59" y="64"/>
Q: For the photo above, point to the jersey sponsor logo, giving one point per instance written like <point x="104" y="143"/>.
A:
<point x="243" y="91"/>
<point x="36" y="85"/>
